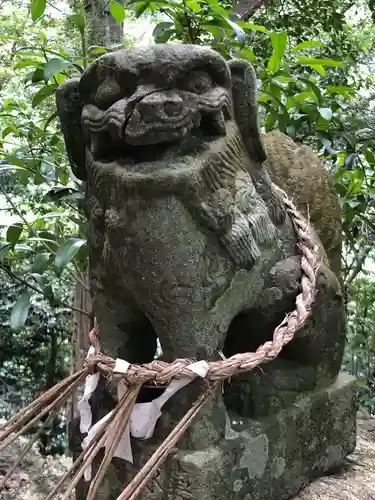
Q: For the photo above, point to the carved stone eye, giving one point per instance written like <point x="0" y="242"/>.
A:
<point x="197" y="82"/>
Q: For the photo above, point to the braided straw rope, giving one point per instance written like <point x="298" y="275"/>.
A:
<point x="161" y="373"/>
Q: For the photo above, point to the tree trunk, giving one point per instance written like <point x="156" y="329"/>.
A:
<point x="102" y="28"/>
<point x="246" y="8"/>
<point x="80" y="341"/>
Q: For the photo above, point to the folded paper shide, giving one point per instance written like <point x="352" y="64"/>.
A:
<point x="143" y="416"/>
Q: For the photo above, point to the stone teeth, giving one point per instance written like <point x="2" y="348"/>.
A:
<point x="218" y="122"/>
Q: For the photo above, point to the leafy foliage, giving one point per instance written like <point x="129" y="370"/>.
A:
<point x="39" y="354"/>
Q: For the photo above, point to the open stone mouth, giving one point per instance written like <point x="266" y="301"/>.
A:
<point x="176" y="142"/>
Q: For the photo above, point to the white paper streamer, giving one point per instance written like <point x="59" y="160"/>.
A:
<point x="144" y="415"/>
<point x="121" y="366"/>
<point x="95" y="429"/>
<point x="83" y="404"/>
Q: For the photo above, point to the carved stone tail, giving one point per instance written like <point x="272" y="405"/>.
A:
<point x="245" y="107"/>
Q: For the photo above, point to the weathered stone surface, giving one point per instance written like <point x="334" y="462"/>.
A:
<point x="270" y="458"/>
<point x="191" y="244"/>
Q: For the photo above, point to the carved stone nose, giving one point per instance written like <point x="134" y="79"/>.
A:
<point x="160" y="105"/>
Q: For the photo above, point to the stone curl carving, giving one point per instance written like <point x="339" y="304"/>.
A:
<point x="190" y="244"/>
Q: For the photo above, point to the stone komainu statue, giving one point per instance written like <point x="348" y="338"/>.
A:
<point x="190" y="243"/>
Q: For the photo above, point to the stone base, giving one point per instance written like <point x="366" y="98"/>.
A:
<point x="273" y="458"/>
<point x="266" y="459"/>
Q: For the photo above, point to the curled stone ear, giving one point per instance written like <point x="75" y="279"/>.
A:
<point x="245" y="107"/>
<point x="69" y="108"/>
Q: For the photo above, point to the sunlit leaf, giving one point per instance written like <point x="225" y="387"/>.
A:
<point x="307" y="44"/>
<point x="117" y="11"/>
<point x="10" y="129"/>
<point x="20" y="311"/>
<point x="321" y="62"/>
<point x="253" y="27"/>
<point x="79" y="22"/>
<point x="279" y="43"/>
<point x="239" y="32"/>
<point x="273" y="64"/>
<point x="340" y="89"/>
<point x="37" y="8"/>
<point x="325" y="113"/>
<point x="25" y="63"/>
<point x="66" y="253"/>
<point x="246" y="53"/>
<point x="318" y="68"/>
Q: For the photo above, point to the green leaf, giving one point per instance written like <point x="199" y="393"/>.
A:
<point x="162" y="32"/>
<point x="42" y="94"/>
<point x="59" y="193"/>
<point x="37" y="9"/>
<point x="20" y="311"/>
<point x="14" y="233"/>
<point x="12" y="167"/>
<point x="318" y="68"/>
<point x="313" y="86"/>
<point x="117" y="11"/>
<point x="194" y="6"/>
<point x="325" y="113"/>
<point x="25" y="63"/>
<point x="66" y="253"/>
<point x="320" y="62"/>
<point x="37" y="75"/>
<point x="340" y="89"/>
<point x="246" y="53"/>
<point x="79" y="22"/>
<point x="55" y="66"/>
<point x="307" y="44"/>
<point x="141" y="7"/>
<point x="41" y="262"/>
<point x="4" y="250"/>
<point x="370" y="157"/>
<point x="10" y="129"/>
<point x="239" y="32"/>
<point x="279" y="42"/>
<point x="273" y="64"/>
<point x="253" y="27"/>
<point x="50" y="119"/>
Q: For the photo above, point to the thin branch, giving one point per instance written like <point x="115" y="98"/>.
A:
<point x="360" y="260"/>
<point x="37" y="290"/>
